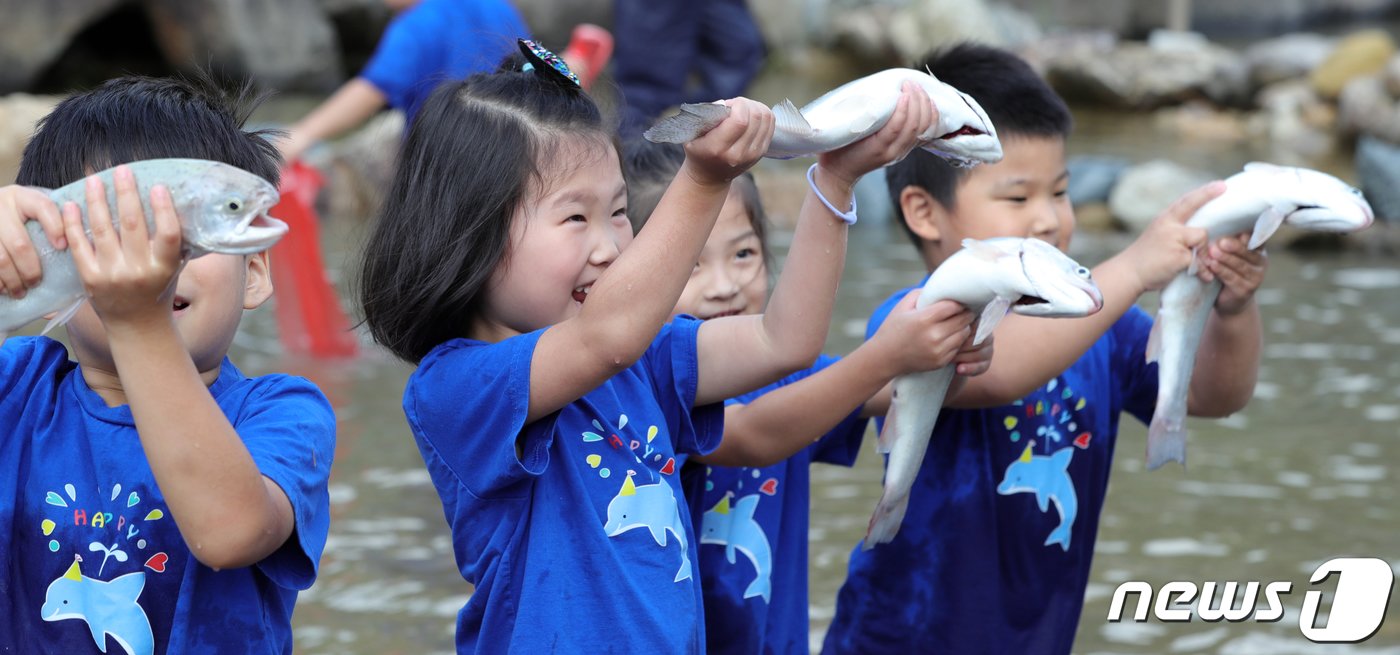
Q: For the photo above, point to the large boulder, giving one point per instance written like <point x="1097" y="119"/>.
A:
<point x="36" y="33"/>
<point x="1091" y="178"/>
<point x="1287" y="57"/>
<point x="1170" y="68"/>
<point x="1358" y="55"/>
<point x="1144" y="190"/>
<point x="1378" y="165"/>
<point x="281" y="43"/>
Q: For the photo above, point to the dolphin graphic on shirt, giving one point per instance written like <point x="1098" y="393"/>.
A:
<point x="1048" y="478"/>
<point x="108" y="608"/>
<point x="736" y="530"/>
<point x="650" y="506"/>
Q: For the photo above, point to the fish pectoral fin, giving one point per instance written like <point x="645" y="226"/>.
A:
<point x="1154" y="341"/>
<point x="788" y="119"/>
<point x="1268" y="223"/>
<point x="991" y="316"/>
<point x="64" y="316"/>
<point x="885" y="442"/>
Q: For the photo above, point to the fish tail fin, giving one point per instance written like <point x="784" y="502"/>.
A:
<point x="885" y="522"/>
<point x="62" y="317"/>
<point x="1154" y="341"/>
<point x="693" y="121"/>
<point x="1166" y="440"/>
<point x="788" y="118"/>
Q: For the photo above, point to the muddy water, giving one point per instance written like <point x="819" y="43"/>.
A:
<point x="1303" y="475"/>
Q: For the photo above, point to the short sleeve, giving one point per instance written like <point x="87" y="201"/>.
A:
<point x="403" y="60"/>
<point x="468" y="402"/>
<point x="288" y="427"/>
<point x="26" y="362"/>
<point x="673" y="364"/>
<point x="1134" y="378"/>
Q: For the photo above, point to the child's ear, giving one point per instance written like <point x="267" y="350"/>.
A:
<point x="258" y="283"/>
<point x="922" y="213"/>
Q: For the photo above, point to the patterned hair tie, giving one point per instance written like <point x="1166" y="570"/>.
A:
<point x="539" y="60"/>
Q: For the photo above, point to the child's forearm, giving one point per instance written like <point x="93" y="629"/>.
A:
<point x="1227" y="364"/>
<point x="790" y="333"/>
<point x="1030" y="351"/>
<point x="227" y="512"/>
<point x="782" y="422"/>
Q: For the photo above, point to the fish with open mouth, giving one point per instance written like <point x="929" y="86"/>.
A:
<point x="222" y="209"/>
<point x="963" y="135"/>
<point x="990" y="276"/>
<point x="1264" y="196"/>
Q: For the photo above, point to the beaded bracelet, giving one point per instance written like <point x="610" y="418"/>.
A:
<point x="849" y="217"/>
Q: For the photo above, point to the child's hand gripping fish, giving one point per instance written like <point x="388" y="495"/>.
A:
<point x="990" y="277"/>
<point x="963" y="134"/>
<point x="1263" y="196"/>
<point x="222" y="209"/>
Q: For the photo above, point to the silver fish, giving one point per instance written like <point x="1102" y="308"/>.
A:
<point x="1264" y="196"/>
<point x="222" y="209"/>
<point x="963" y="135"/>
<point x="991" y="276"/>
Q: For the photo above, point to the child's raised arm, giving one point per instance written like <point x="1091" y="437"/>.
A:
<point x="635" y="295"/>
<point x="228" y="513"/>
<point x="742" y="353"/>
<point x="1031" y="350"/>
<point x="782" y="422"/>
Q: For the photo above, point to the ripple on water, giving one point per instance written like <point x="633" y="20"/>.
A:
<point x="1367" y="278"/>
<point x="1130" y="632"/>
<point x="1184" y="547"/>
<point x="1198" y="642"/>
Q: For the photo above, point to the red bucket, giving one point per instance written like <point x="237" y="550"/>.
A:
<point x="310" y="318"/>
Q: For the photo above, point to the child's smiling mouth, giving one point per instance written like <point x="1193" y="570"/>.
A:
<point x="581" y="293"/>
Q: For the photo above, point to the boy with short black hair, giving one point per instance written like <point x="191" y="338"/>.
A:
<point x="155" y="499"/>
<point x="994" y="553"/>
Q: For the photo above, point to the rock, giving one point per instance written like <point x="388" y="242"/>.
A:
<point x="1366" y="108"/>
<point x="1091" y="178"/>
<point x="1392" y="76"/>
<point x="1360" y="54"/>
<point x="36" y="33"/>
<point x="1094" y="217"/>
<point x="1292" y="118"/>
<point x="1144" y="190"/>
<point x="19" y="113"/>
<point x="358" y="168"/>
<point x="1378" y="165"/>
<point x="285" y="44"/>
<point x="894" y="32"/>
<point x="1201" y="121"/>
<point x="1287" y="57"/>
<point x="1168" y="70"/>
<point x="1234" y="18"/>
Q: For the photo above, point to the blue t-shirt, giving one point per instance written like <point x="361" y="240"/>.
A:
<point x="753" y="539"/>
<point x="92" y="560"/>
<point x="994" y="553"/>
<point x="580" y="541"/>
<point x="439" y="40"/>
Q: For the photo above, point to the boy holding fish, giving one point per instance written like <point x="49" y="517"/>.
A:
<point x="156" y="499"/>
<point x="994" y="553"/>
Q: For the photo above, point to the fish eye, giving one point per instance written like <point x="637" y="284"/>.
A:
<point x="233" y="204"/>
<point x="1355" y="191"/>
<point x="1082" y="272"/>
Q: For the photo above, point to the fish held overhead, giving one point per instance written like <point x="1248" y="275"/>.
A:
<point x="963" y="135"/>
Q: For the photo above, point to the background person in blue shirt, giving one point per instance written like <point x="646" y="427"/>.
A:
<point x="553" y="395"/>
<point x="428" y="43"/>
<point x="749" y="498"/>
<point x="994" y="553"/>
<point x="153" y="498"/>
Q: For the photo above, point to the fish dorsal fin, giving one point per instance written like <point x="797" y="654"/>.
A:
<point x="1195" y="264"/>
<point x="789" y="119"/>
<point x="885" y="442"/>
<point x="64" y="316"/>
<point x="991" y="316"/>
<point x="983" y="250"/>
<point x="1268" y="223"/>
